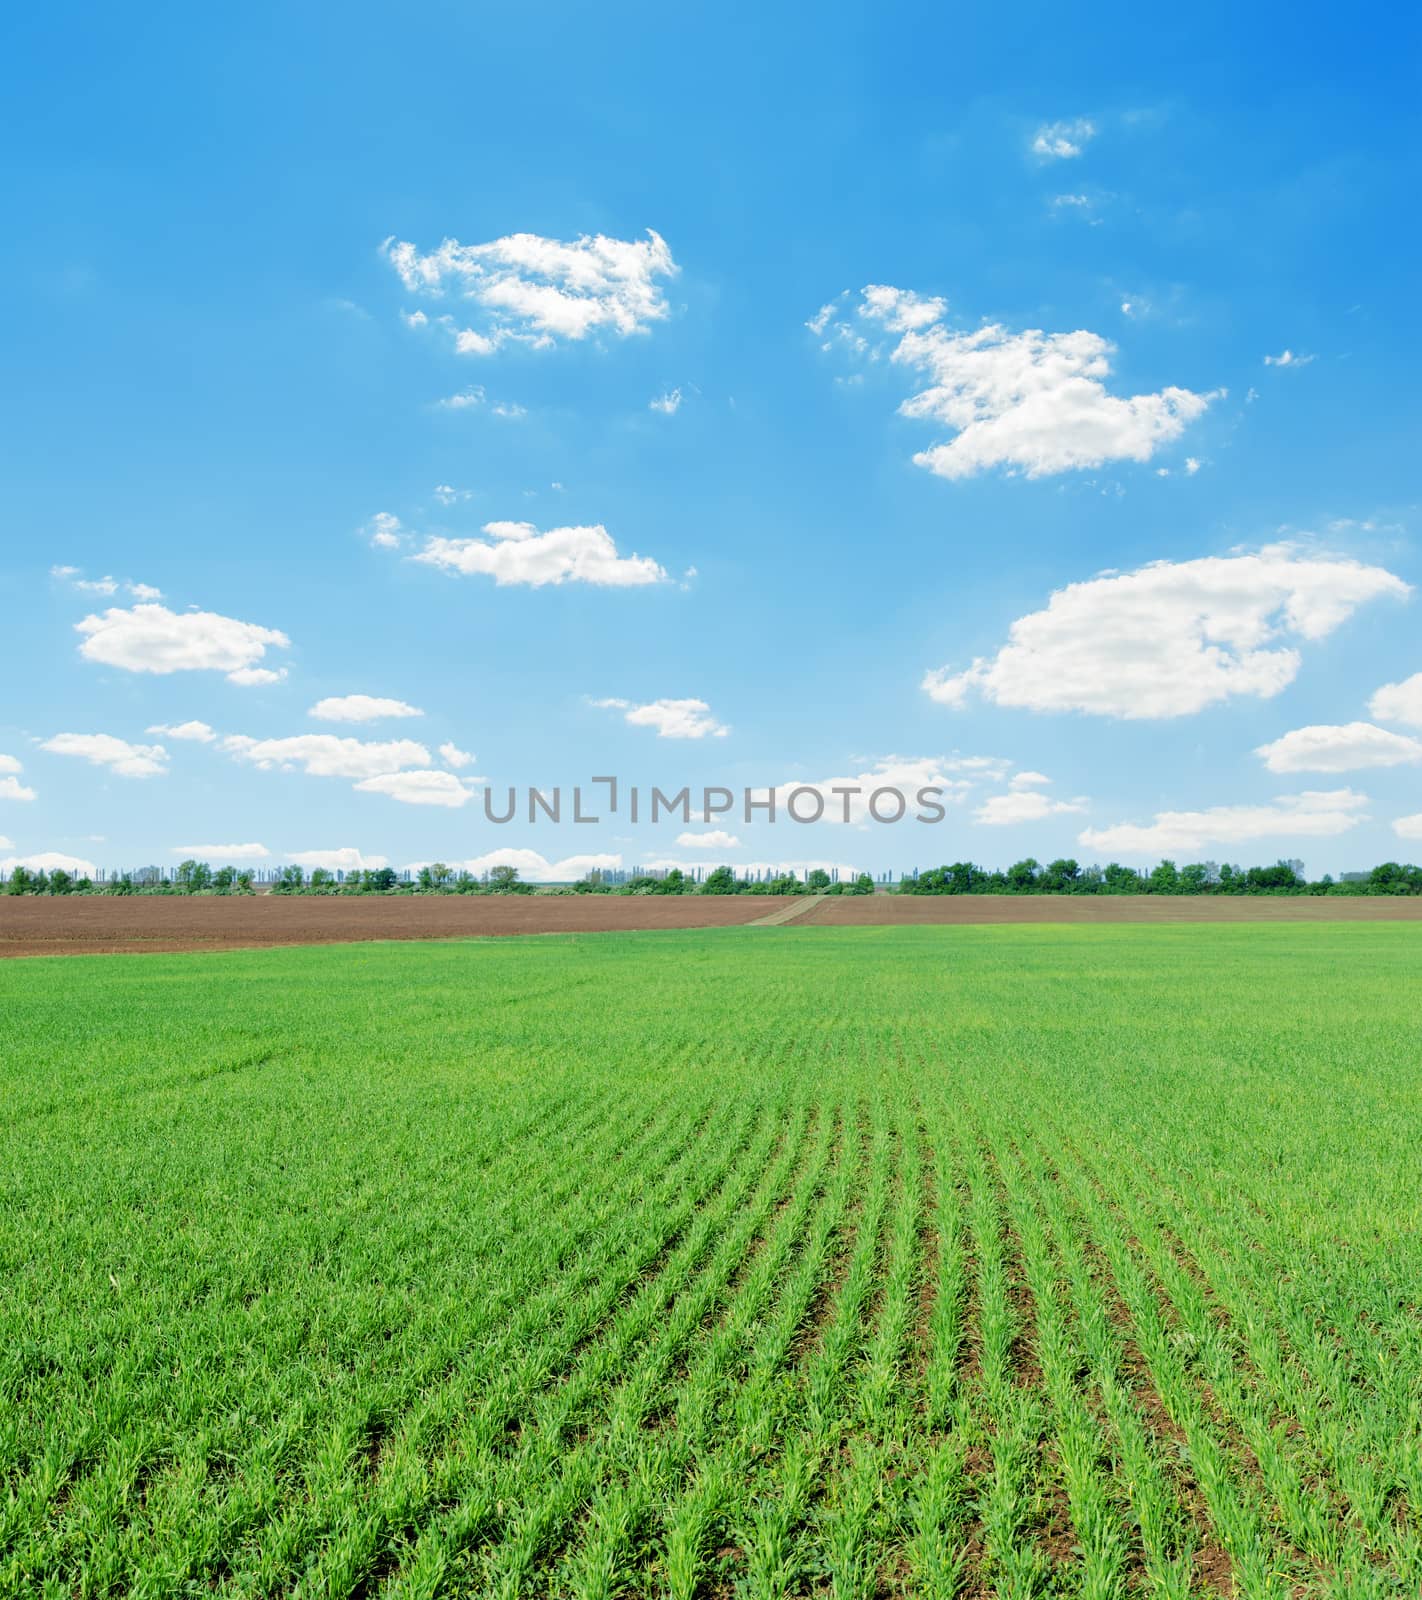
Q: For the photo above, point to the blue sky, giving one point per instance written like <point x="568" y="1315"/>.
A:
<point x="214" y="390"/>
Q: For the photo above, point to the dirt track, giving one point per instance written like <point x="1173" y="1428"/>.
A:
<point x="83" y="925"/>
<point x="944" y="910"/>
<point x="100" y="925"/>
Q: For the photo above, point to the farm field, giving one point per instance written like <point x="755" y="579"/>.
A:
<point x="1013" y="1261"/>
<point x="77" y="925"/>
<point x="938" y="910"/>
<point x="74" y="924"/>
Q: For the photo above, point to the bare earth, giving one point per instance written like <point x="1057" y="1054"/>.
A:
<point x="943" y="910"/>
<point x="83" y="925"/>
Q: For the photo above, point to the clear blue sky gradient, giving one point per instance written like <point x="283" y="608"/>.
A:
<point x="209" y="388"/>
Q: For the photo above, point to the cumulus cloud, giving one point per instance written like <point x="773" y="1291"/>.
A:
<point x="1029" y="402"/>
<point x="345" y="859"/>
<point x="326" y="755"/>
<point x="1315" y="814"/>
<point x="221" y="852"/>
<point x="1287" y="358"/>
<point x="75" y="578"/>
<point x="1061" y="141"/>
<point x="361" y="708"/>
<point x="1022" y="805"/>
<point x="385" y="531"/>
<point x="448" y="495"/>
<point x="711" y="839"/>
<point x="1409" y="827"/>
<point x="453" y="756"/>
<point x="150" y="638"/>
<point x="672" y="719"/>
<point x="51" y="861"/>
<point x="534" y="868"/>
<point x="668" y="403"/>
<point x="1347" y="748"/>
<point x="956" y="776"/>
<point x="118" y="755"/>
<point x="197" y="732"/>
<point x="13" y="789"/>
<point x="254" y="677"/>
<point x="1399" y="702"/>
<point x="1170" y="638"/>
<point x="537" y="291"/>
<point x="11" y="764"/>
<point x="418" y="788"/>
<point x="516" y="552"/>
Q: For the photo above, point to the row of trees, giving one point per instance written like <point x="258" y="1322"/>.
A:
<point x="1202" y="877"/>
<point x="963" y="877"/>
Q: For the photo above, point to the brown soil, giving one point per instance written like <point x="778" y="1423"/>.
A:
<point x="78" y="925"/>
<point x="941" y="910"/>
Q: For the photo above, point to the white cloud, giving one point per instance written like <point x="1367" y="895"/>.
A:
<point x="361" y="708"/>
<point x="11" y="764"/>
<point x="672" y="719"/>
<point x="712" y="839"/>
<point x="345" y="859"/>
<point x="510" y="409"/>
<point x="51" y="861"/>
<point x="221" y="853"/>
<point x="668" y="403"/>
<point x="1409" y="827"/>
<point x="418" y="788"/>
<point x="1348" y="748"/>
<point x="150" y="638"/>
<point x="448" y="495"/>
<point x="1022" y="805"/>
<point x="516" y="552"/>
<point x="539" y="290"/>
<point x="1399" y="702"/>
<point x="385" y="531"/>
<point x="1312" y="815"/>
<point x="254" y="677"/>
<point x="1287" y="358"/>
<point x="197" y="732"/>
<point x="465" y="400"/>
<point x="104" y="750"/>
<point x="453" y="756"/>
<point x="13" y="789"/>
<point x="326" y="755"/>
<point x="1060" y="141"/>
<point x="73" y="576"/>
<point x="1170" y="638"/>
<point x="534" y="868"/>
<point x="1028" y="780"/>
<point x="1192" y="466"/>
<point x="6" y="844"/>
<point x="955" y="776"/>
<point x="1030" y="402"/>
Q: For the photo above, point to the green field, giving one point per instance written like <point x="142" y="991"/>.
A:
<point x="768" y="1261"/>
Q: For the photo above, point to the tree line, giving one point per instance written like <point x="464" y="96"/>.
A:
<point x="1027" y="876"/>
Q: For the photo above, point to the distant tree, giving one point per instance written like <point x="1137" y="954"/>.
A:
<point x="193" y="877"/>
<point x="721" y="880"/>
<point x="223" y="879"/>
<point x="40" y="883"/>
<point x="1121" y="880"/>
<point x="1195" y="878"/>
<point x="323" y="880"/>
<point x="1022" y="875"/>
<point x="818" y="881"/>
<point x="863" y="884"/>
<point x="21" y="881"/>
<point x="60" y="882"/>
<point x="123" y="884"/>
<point x="1165" y="878"/>
<point x="502" y="879"/>
<point x="242" y="882"/>
<point x="381" y="880"/>
<point x="1060" y="876"/>
<point x="290" y="880"/>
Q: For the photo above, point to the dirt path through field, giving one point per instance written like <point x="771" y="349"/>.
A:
<point x="788" y="913"/>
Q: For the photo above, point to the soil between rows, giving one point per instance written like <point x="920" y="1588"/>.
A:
<point x="82" y="925"/>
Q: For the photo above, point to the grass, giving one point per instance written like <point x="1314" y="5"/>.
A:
<point x="981" y="1261"/>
